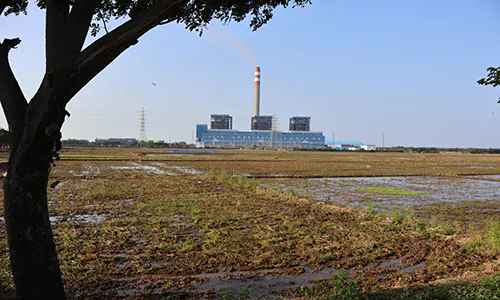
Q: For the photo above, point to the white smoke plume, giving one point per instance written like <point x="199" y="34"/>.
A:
<point x="226" y="40"/>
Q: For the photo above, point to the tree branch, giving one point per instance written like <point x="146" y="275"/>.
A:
<point x="105" y="27"/>
<point x="56" y="35"/>
<point x="102" y="52"/>
<point x="13" y="102"/>
<point x="4" y="4"/>
<point x="79" y="21"/>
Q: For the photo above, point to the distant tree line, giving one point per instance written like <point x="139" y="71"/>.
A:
<point x="133" y="144"/>
<point x="413" y="150"/>
<point x="5" y="137"/>
<point x="439" y="150"/>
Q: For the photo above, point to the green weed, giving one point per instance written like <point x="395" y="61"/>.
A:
<point x="492" y="236"/>
<point x="293" y="193"/>
<point x="369" y="208"/>
<point x="307" y="290"/>
<point x="400" y="215"/>
<point x="389" y="191"/>
<point x="344" y="287"/>
<point x="486" y="240"/>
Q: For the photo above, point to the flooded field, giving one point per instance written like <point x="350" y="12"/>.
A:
<point x="446" y="198"/>
<point x="201" y="228"/>
<point x="92" y="169"/>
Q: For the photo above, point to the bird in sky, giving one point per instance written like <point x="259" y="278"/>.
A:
<point x="153" y="83"/>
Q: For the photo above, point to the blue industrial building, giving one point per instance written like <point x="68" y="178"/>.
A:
<point x="206" y="137"/>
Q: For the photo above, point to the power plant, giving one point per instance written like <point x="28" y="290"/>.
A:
<point x="263" y="131"/>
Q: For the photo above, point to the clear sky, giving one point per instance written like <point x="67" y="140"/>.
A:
<point x="357" y="68"/>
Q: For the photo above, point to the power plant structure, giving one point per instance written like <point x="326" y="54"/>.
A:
<point x="263" y="133"/>
<point x="221" y="122"/>
<point x="300" y="124"/>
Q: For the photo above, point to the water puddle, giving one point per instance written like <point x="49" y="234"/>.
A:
<point x="190" y="151"/>
<point x="170" y="154"/>
<point x="88" y="170"/>
<point x="480" y="167"/>
<point x="93" y="218"/>
<point x="495" y="177"/>
<point x="132" y="292"/>
<point x="410" y="269"/>
<point x="74" y="173"/>
<point x="181" y="169"/>
<point x="143" y="167"/>
<point x="263" y="283"/>
<point x="182" y="224"/>
<point x="416" y="192"/>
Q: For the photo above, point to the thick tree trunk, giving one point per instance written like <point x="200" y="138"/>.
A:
<point x="33" y="254"/>
<point x="35" y="128"/>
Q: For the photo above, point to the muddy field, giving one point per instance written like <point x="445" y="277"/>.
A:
<point x="157" y="225"/>
<point x="464" y="199"/>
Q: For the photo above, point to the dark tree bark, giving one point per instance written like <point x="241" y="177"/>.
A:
<point x="35" y="130"/>
<point x="33" y="254"/>
<point x="32" y="249"/>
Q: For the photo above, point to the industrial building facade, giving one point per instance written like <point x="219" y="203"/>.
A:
<point x="257" y="138"/>
<point x="221" y="122"/>
<point x="262" y="123"/>
<point x="300" y="124"/>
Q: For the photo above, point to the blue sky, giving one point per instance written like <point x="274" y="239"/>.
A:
<point x="358" y="68"/>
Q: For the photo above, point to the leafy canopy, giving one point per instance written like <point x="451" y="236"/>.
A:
<point x="493" y="78"/>
<point x="195" y="14"/>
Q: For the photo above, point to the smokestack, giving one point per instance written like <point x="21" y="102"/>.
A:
<point x="256" y="81"/>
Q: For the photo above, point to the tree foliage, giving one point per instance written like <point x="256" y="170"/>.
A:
<point x="195" y="14"/>
<point x="493" y="78"/>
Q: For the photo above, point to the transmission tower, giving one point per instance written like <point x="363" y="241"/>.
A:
<point x="142" y="128"/>
<point x="274" y="131"/>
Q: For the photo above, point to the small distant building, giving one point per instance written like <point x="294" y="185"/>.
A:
<point x="343" y="147"/>
<point x="353" y="146"/>
<point x="221" y="122"/>
<point x="300" y="124"/>
<point x="368" y="148"/>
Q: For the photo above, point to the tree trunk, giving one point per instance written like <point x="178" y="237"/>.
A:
<point x="32" y="249"/>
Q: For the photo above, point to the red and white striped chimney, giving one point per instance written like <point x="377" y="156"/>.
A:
<point x="256" y="81"/>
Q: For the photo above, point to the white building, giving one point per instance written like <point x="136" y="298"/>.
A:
<point x="368" y="147"/>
